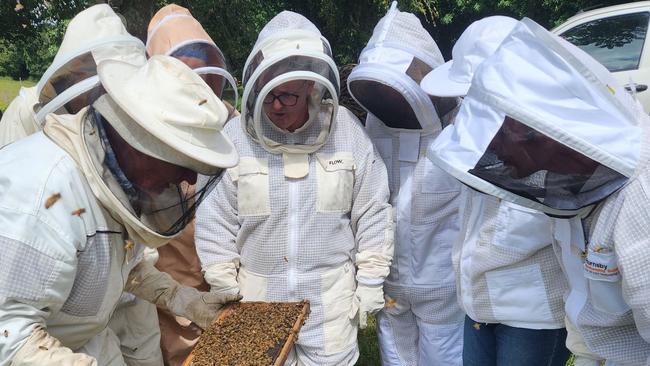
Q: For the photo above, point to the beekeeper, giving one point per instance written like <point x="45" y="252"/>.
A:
<point x="305" y="214"/>
<point x="68" y="85"/>
<point x="71" y="81"/>
<point x="546" y="126"/>
<point x="421" y="323"/>
<point x="509" y="280"/>
<point x="81" y="200"/>
<point x="173" y="31"/>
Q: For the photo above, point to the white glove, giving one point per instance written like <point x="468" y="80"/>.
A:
<point x="148" y="283"/>
<point x="200" y="307"/>
<point x="43" y="349"/>
<point x="367" y="300"/>
<point x="222" y="278"/>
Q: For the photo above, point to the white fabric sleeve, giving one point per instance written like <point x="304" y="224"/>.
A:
<point x="18" y="321"/>
<point x="18" y="120"/>
<point x="43" y="349"/>
<point x="33" y="286"/>
<point x="371" y="218"/>
<point x="632" y="243"/>
<point x="217" y="225"/>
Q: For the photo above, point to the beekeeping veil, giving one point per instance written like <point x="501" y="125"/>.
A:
<point x="386" y="80"/>
<point x="165" y="111"/>
<point x="290" y="48"/>
<point x="93" y="35"/>
<point x="543" y="125"/>
<point x="173" y="31"/>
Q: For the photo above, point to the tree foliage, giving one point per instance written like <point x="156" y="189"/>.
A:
<point x="31" y="30"/>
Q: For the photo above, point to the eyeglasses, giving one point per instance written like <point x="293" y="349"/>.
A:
<point x="286" y="99"/>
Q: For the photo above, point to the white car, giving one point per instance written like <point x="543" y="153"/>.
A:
<point x="616" y="36"/>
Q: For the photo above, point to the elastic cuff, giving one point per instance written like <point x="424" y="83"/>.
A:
<point x="370" y="282"/>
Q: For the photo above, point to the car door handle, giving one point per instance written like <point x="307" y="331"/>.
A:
<point x="639" y="87"/>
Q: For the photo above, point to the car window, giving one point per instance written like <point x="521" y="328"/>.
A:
<point x="616" y="42"/>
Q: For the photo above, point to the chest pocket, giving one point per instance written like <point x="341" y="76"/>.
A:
<point x="335" y="173"/>
<point x="522" y="229"/>
<point x="252" y="175"/>
<point x="604" y="278"/>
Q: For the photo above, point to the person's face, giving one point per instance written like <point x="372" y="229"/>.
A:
<point x="148" y="173"/>
<point x="527" y="151"/>
<point x="287" y="105"/>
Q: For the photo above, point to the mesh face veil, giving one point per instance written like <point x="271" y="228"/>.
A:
<point x="386" y="81"/>
<point x="173" y="31"/>
<point x="534" y="166"/>
<point x="209" y="62"/>
<point x="164" y="204"/>
<point x="290" y="49"/>
<point x="71" y="81"/>
<point x="543" y="125"/>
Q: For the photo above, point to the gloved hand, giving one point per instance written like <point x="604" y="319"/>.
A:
<point x="368" y="299"/>
<point x="43" y="349"/>
<point x="200" y="307"/>
<point x="148" y="283"/>
<point x="222" y="278"/>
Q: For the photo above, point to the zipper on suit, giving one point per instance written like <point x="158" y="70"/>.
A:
<point x="292" y="245"/>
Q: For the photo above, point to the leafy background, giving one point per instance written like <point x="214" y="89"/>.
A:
<point x="31" y="30"/>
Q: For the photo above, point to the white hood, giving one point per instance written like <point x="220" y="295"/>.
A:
<point x="386" y="80"/>
<point x="93" y="35"/>
<point x="290" y="48"/>
<point x="543" y="125"/>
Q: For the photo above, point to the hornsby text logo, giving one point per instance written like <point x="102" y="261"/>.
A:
<point x="600" y="268"/>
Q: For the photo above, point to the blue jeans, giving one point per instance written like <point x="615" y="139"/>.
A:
<point x="501" y="345"/>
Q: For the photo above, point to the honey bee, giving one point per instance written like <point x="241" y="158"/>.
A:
<point x="477" y="326"/>
<point x="391" y="303"/>
<point x="6" y="333"/>
<point x="128" y="244"/>
<point x="52" y="200"/>
<point x="43" y="348"/>
<point x="203" y="101"/>
<point x="79" y="212"/>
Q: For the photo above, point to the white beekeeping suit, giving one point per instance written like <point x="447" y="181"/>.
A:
<point x="19" y="119"/>
<point x="421" y="323"/>
<point x="556" y="133"/>
<point x="70" y="82"/>
<point x="77" y="215"/>
<point x="173" y="31"/>
<point x="507" y="271"/>
<point x="305" y="214"/>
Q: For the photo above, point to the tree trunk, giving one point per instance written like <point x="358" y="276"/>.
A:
<point x="136" y="14"/>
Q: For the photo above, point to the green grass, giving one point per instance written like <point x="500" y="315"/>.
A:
<point x="368" y="346"/>
<point x="9" y="89"/>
